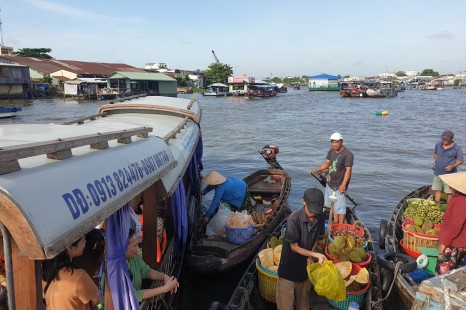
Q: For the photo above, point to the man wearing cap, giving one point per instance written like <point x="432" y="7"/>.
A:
<point x="452" y="237"/>
<point x="448" y="156"/>
<point x="228" y="190"/>
<point x="339" y="162"/>
<point x="302" y="231"/>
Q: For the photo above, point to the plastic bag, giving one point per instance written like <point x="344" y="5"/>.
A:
<point x="216" y="226"/>
<point x="240" y="220"/>
<point x="327" y="280"/>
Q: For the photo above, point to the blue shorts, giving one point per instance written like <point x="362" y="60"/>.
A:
<point x="339" y="207"/>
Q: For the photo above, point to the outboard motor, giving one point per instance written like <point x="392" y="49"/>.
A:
<point x="269" y="152"/>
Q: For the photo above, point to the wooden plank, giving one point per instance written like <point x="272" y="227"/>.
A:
<point x="172" y="133"/>
<point x="27" y="280"/>
<point x="150" y="213"/>
<point x="100" y="146"/>
<point x="16" y="152"/>
<point x="83" y="119"/>
<point x="9" y="166"/>
<point x="60" y="155"/>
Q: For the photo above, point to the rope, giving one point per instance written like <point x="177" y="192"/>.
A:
<point x="397" y="270"/>
<point x="446" y="293"/>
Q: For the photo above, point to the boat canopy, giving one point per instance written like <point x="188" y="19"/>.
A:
<point x="217" y="85"/>
<point x="57" y="182"/>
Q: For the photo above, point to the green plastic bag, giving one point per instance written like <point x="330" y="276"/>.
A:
<point x="327" y="280"/>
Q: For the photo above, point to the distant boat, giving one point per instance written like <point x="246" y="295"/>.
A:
<point x="216" y="89"/>
<point x="9" y="112"/>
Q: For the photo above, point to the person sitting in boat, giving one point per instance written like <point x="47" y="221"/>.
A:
<point x="93" y="254"/>
<point x="228" y="190"/>
<point x="302" y="231"/>
<point x="452" y="237"/>
<point x="65" y="286"/>
<point x="139" y="270"/>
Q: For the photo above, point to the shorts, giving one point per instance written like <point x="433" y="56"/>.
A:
<point x="438" y="185"/>
<point x="339" y="207"/>
<point x="450" y="259"/>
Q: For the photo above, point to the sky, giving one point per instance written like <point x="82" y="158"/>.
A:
<point x="255" y="37"/>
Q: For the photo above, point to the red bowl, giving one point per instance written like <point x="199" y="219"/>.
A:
<point x="409" y="252"/>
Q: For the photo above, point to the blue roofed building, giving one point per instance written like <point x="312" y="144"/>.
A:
<point x="324" y="82"/>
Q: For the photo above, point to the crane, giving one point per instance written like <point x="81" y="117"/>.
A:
<point x="215" y="56"/>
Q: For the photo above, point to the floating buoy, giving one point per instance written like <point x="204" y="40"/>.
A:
<point x="381" y="113"/>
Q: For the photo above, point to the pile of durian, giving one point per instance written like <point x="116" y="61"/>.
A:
<point x="344" y="248"/>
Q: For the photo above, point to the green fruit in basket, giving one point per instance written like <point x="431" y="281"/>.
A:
<point x="410" y="227"/>
<point x="333" y="250"/>
<point x="358" y="255"/>
<point x="273" y="242"/>
<point x="350" y="242"/>
<point x="427" y="224"/>
<point x="418" y="221"/>
<point x="344" y="257"/>
<point x="339" y="242"/>
<point x="433" y="232"/>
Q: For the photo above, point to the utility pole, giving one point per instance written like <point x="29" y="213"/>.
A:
<point x="1" y="31"/>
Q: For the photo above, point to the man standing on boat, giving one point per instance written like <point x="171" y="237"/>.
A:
<point x="339" y="162"/>
<point x="448" y="157"/>
<point x="302" y="231"/>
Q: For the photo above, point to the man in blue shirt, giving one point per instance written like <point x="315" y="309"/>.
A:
<point x="448" y="156"/>
<point x="228" y="190"/>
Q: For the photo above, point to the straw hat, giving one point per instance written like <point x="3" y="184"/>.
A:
<point x="213" y="178"/>
<point x="455" y="180"/>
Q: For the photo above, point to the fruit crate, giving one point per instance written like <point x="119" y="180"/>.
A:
<point x="414" y="240"/>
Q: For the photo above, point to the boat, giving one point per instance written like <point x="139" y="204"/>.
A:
<point x="412" y="294"/>
<point x="213" y="254"/>
<point x="216" y="90"/>
<point x="390" y="235"/>
<point x="59" y="181"/>
<point x="247" y="293"/>
<point x="261" y="91"/>
<point x="9" y="111"/>
<point x="382" y="89"/>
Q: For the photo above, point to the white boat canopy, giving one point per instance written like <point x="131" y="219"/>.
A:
<point x="217" y="85"/>
<point x="57" y="182"/>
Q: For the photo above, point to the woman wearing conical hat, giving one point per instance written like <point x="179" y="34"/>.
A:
<point x="229" y="190"/>
<point x="452" y="237"/>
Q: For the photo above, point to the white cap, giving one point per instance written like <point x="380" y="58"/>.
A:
<point x="336" y="136"/>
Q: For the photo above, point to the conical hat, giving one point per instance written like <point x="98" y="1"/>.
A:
<point x="213" y="178"/>
<point x="455" y="180"/>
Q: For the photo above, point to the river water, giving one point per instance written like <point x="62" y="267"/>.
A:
<point x="392" y="154"/>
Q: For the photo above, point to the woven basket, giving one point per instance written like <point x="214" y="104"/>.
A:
<point x="414" y="241"/>
<point x="358" y="230"/>
<point x="267" y="283"/>
<point x="237" y="235"/>
<point x="357" y="296"/>
<point x="412" y="253"/>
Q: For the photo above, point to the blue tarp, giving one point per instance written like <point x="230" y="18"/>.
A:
<point x="119" y="281"/>
<point x="180" y="216"/>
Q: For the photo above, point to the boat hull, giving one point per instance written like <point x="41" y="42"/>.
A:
<point x="215" y="254"/>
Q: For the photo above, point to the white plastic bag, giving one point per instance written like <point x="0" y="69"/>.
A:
<point x="216" y="226"/>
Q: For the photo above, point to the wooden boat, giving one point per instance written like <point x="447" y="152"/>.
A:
<point x="57" y="182"/>
<point x="9" y="111"/>
<point x="412" y="294"/>
<point x="247" y="295"/>
<point x="216" y="90"/>
<point x="215" y="254"/>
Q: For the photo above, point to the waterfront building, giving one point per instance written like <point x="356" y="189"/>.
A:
<point x="324" y="82"/>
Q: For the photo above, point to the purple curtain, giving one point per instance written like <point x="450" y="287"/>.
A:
<point x="116" y="238"/>
<point x="180" y="216"/>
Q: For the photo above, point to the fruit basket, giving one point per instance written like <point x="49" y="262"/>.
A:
<point x="239" y="235"/>
<point x="415" y="240"/>
<point x="358" y="230"/>
<point x="362" y="264"/>
<point x="412" y="253"/>
<point x="267" y="282"/>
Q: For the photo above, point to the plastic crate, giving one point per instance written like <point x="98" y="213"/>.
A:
<point x="239" y="235"/>
<point x="267" y="282"/>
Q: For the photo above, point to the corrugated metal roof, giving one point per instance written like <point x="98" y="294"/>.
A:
<point x="47" y="66"/>
<point x="145" y="76"/>
<point x="326" y="76"/>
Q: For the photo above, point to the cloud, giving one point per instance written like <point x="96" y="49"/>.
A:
<point x="443" y="35"/>
<point x="67" y="10"/>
